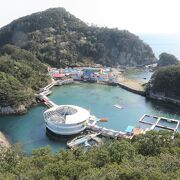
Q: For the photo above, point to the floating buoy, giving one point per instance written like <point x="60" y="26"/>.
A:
<point x="103" y="120"/>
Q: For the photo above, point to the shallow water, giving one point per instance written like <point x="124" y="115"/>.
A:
<point x="29" y="129"/>
<point x="142" y="75"/>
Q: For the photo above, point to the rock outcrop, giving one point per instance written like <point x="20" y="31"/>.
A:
<point x="21" y="109"/>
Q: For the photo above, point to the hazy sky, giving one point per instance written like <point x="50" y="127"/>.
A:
<point x="137" y="16"/>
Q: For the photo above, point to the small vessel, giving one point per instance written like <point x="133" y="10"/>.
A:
<point x="118" y="106"/>
<point x="103" y="120"/>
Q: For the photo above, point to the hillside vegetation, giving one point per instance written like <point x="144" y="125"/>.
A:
<point x="60" y="39"/>
<point x="21" y="75"/>
<point x="166" y="81"/>
<point x="153" y="156"/>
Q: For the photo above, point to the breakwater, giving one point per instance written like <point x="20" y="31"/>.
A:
<point x="131" y="89"/>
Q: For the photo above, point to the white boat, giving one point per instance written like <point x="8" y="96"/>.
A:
<point x="118" y="106"/>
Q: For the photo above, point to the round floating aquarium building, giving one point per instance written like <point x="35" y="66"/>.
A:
<point x="66" y="119"/>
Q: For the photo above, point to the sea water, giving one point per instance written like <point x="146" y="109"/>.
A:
<point x="29" y="129"/>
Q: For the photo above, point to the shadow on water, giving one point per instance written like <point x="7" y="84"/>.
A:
<point x="116" y="97"/>
<point x="60" y="138"/>
<point x="98" y="98"/>
<point x="163" y="107"/>
<point x="93" y="94"/>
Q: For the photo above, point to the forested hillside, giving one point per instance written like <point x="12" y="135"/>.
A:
<point x="153" y="156"/>
<point x="21" y="75"/>
<point x="60" y="39"/>
<point x="165" y="82"/>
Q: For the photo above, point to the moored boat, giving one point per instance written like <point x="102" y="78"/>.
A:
<point x="118" y="106"/>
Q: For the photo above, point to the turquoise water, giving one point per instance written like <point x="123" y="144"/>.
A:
<point x="29" y="129"/>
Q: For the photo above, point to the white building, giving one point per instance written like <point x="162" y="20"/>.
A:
<point x="66" y="119"/>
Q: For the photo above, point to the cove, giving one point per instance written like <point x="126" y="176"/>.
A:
<point x="29" y="129"/>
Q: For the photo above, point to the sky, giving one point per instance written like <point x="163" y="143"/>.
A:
<point x="137" y="16"/>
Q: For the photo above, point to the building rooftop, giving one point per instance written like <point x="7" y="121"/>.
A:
<point x="66" y="114"/>
<point x="129" y="129"/>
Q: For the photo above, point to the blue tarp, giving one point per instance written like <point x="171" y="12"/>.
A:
<point x="129" y="129"/>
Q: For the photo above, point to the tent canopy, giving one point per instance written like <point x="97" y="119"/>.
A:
<point x="129" y="129"/>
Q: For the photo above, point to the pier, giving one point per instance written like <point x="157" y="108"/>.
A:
<point x="106" y="132"/>
<point x="42" y="96"/>
<point x="49" y="86"/>
<point x="94" y="131"/>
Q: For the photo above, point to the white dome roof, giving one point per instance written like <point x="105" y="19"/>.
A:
<point x="66" y="114"/>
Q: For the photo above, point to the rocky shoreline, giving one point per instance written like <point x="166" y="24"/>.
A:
<point x="165" y="99"/>
<point x="18" y="110"/>
<point x="21" y="109"/>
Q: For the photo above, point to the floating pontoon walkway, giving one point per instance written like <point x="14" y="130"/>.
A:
<point x="107" y="132"/>
<point x="156" y="123"/>
<point x="46" y="100"/>
<point x="46" y="91"/>
<point x="49" y="86"/>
